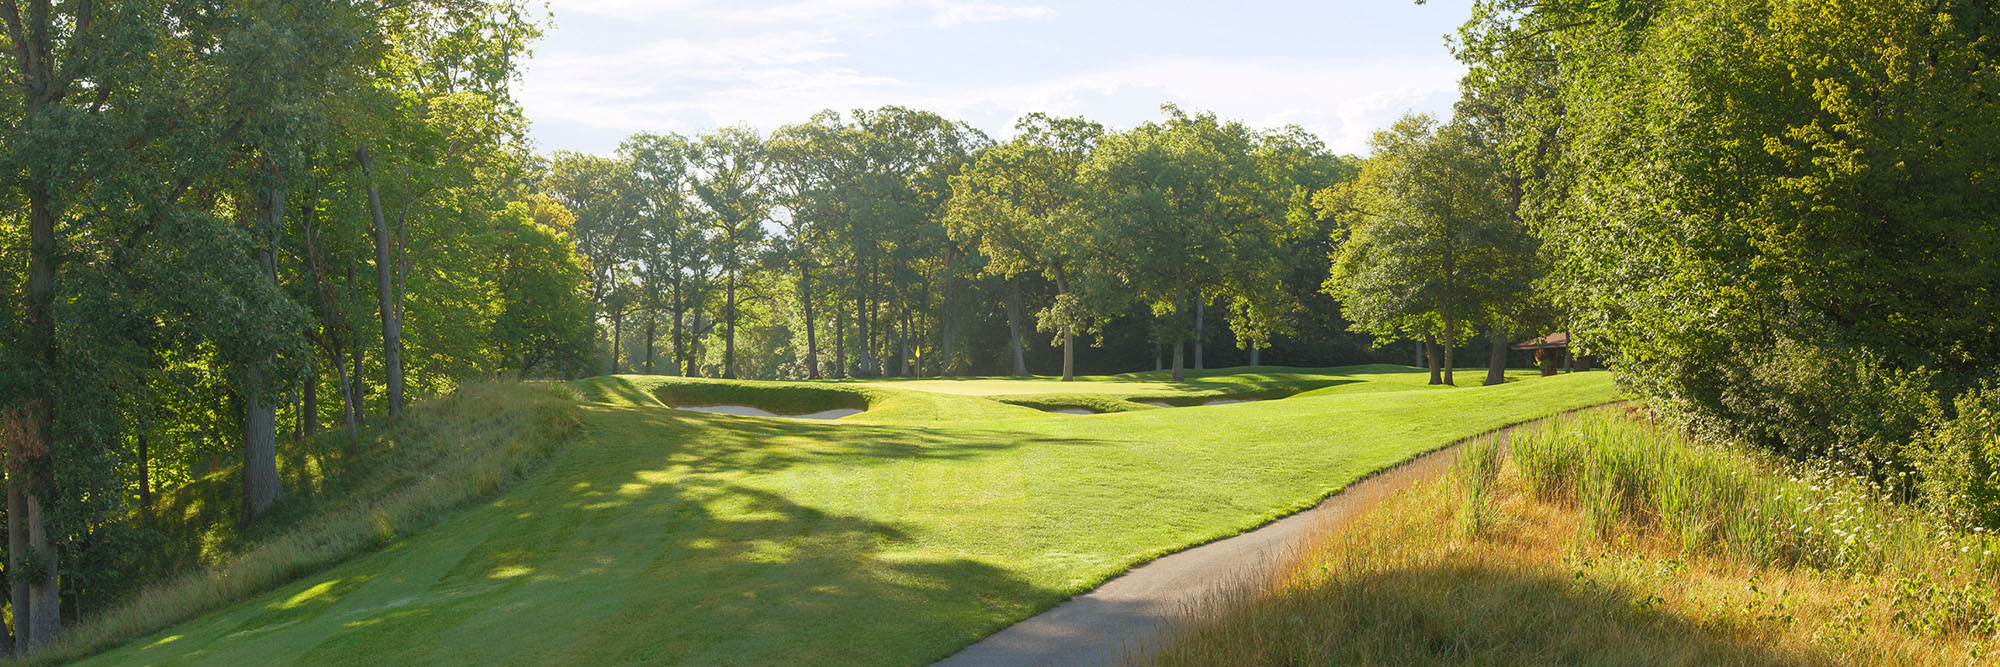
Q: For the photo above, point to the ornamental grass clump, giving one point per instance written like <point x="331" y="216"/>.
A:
<point x="1611" y="538"/>
<point x="1772" y="511"/>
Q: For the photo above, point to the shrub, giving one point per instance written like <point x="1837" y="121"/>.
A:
<point x="1957" y="461"/>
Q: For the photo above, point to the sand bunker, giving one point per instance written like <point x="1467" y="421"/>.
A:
<point x="1071" y="411"/>
<point x="747" y="411"/>
<point x="1157" y="404"/>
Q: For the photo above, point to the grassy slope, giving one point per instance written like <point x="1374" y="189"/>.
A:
<point x="1700" y="556"/>
<point x="895" y="536"/>
<point x="342" y="499"/>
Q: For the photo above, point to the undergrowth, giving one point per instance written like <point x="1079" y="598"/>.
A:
<point x="343" y="498"/>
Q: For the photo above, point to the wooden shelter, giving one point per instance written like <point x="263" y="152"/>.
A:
<point x="1552" y="352"/>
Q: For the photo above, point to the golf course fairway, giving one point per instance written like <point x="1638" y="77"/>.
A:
<point x="895" y="536"/>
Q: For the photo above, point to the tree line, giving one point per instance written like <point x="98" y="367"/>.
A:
<point x="896" y="242"/>
<point x="1777" y="217"/>
<point x="231" y="223"/>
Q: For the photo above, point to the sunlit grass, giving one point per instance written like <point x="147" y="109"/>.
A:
<point x="896" y="536"/>
<point x="1607" y="539"/>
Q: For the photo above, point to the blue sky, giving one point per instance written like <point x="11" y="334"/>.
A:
<point x="1340" y="68"/>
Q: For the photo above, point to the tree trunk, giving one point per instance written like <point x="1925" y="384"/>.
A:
<point x="903" y="343"/>
<point x="329" y="318"/>
<point x="617" y="342"/>
<point x="864" y="359"/>
<point x="839" y="337"/>
<point x="309" y="400"/>
<point x="392" y="318"/>
<point x="1014" y="330"/>
<point x="37" y="602"/>
<point x="1496" y="362"/>
<point x="260" y="457"/>
<point x="948" y="324"/>
<point x="1180" y="337"/>
<point x="652" y="336"/>
<point x="694" y="344"/>
<point x="44" y="596"/>
<point x="812" y="339"/>
<point x="729" y="342"/>
<point x="1431" y="351"/>
<point x="261" y="487"/>
<point x="1068" y="332"/>
<point x="17" y="556"/>
<point x="1450" y="334"/>
<point x="360" y="385"/>
<point x="1200" y="321"/>
<point x="1069" y="356"/>
<point x="948" y="350"/>
<point x="678" y="312"/>
<point x="1256" y="355"/>
<point x="350" y="404"/>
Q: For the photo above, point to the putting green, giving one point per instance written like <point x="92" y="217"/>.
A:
<point x="896" y="536"/>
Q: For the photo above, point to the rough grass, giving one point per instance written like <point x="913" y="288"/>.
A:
<point x="344" y="499"/>
<point x="896" y="536"/>
<point x="1606" y="539"/>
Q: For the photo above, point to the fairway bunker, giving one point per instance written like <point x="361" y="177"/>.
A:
<point x="747" y="411"/>
<point x="1070" y="411"/>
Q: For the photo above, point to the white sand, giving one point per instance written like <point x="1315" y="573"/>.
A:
<point x="1071" y="411"/>
<point x="747" y="411"/>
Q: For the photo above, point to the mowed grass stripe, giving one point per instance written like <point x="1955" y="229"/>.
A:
<point x="665" y="535"/>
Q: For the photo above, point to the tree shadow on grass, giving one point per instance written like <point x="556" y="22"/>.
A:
<point x="662" y="537"/>
<point x="689" y="570"/>
<point x="705" y="443"/>
<point x="1463" y="614"/>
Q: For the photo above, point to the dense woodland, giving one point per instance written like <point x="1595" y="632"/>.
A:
<point x="228" y="225"/>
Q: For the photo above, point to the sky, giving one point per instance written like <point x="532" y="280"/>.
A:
<point x="1339" y="68"/>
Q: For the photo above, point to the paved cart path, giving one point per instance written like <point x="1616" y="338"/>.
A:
<point x="1110" y="625"/>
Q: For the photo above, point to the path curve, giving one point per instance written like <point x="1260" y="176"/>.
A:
<point x="1127" y="614"/>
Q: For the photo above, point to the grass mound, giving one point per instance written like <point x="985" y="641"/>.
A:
<point x="1095" y="403"/>
<point x="782" y="398"/>
<point x="343" y="499"/>
<point x="1607" y="539"/>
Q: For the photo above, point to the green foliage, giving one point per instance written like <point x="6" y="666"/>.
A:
<point x="1960" y="461"/>
<point x="544" y="323"/>
<point x="1431" y="246"/>
<point x="1777" y="215"/>
<point x="1181" y="212"/>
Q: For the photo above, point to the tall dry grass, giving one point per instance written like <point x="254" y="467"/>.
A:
<point x="447" y="453"/>
<point x="1607" y="539"/>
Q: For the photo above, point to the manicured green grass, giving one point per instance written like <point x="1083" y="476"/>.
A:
<point x="1380" y="377"/>
<point x="896" y="536"/>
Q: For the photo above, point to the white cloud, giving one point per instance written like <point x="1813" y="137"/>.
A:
<point x="777" y="63"/>
<point x="950" y="14"/>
